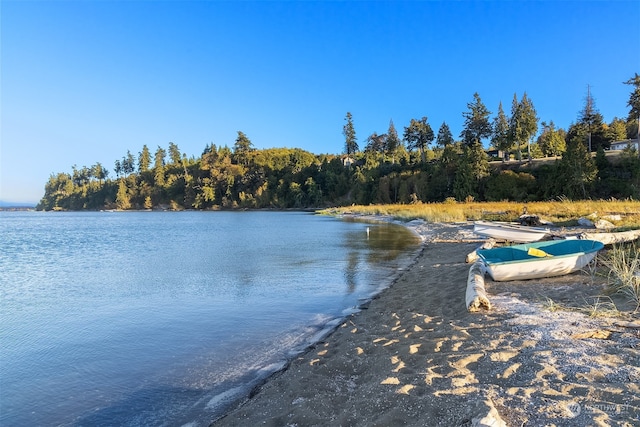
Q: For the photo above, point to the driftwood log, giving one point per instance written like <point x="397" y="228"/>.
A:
<point x="476" y="296"/>
<point x="612" y="238"/>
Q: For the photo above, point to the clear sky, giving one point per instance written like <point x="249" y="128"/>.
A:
<point x="84" y="81"/>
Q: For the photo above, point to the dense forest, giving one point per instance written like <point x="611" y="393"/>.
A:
<point x="419" y="166"/>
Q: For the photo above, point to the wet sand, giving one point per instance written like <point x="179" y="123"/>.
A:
<point x="414" y="356"/>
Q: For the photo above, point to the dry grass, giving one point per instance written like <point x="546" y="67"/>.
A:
<point x="623" y="264"/>
<point x="553" y="306"/>
<point x="623" y="214"/>
<point x="601" y="306"/>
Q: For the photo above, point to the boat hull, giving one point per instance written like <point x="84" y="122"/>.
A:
<point x="515" y="262"/>
<point x="509" y="232"/>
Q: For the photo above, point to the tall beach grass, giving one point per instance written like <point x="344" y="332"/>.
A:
<point x="624" y="214"/>
<point x="623" y="265"/>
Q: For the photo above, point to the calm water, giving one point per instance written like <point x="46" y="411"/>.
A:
<point x="167" y="318"/>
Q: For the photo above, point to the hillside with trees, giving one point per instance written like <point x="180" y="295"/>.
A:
<point x="423" y="166"/>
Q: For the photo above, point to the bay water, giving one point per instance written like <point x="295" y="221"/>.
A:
<point x="170" y="318"/>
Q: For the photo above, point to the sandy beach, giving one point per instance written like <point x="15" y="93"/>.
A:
<point x="414" y="356"/>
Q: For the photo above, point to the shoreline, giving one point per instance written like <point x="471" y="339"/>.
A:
<point x="414" y="355"/>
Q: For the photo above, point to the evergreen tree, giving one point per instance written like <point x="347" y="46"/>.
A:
<point x="500" y="137"/>
<point x="392" y="142"/>
<point x="529" y="121"/>
<point x="551" y="141"/>
<point x="209" y="157"/>
<point x="144" y="159"/>
<point x="477" y="157"/>
<point x="376" y="143"/>
<point x="634" y="104"/>
<point x="444" y="137"/>
<point x="117" y="168"/>
<point x="476" y="122"/>
<point x="591" y="125"/>
<point x="123" y="200"/>
<point x="418" y="135"/>
<point x="464" y="183"/>
<point x="577" y="170"/>
<point x="476" y="128"/>
<point x="617" y="130"/>
<point x="99" y="172"/>
<point x="242" y="144"/>
<point x="128" y="163"/>
<point x="174" y="154"/>
<point x="349" y="132"/>
<point x="515" y="126"/>
<point x="158" y="167"/>
<point x="523" y="123"/>
<point x="241" y="149"/>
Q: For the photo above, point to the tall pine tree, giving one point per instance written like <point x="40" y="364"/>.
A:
<point x="634" y="106"/>
<point x="476" y="122"/>
<point x="500" y="138"/>
<point x="392" y="142"/>
<point x="349" y="132"/>
<point x="476" y="128"/>
<point x="444" y="138"/>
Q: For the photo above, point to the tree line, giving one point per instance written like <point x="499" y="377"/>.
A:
<point x="390" y="169"/>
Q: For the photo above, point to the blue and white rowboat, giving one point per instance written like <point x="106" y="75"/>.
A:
<point x="539" y="259"/>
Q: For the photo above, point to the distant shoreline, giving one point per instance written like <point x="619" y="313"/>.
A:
<point x="17" y="208"/>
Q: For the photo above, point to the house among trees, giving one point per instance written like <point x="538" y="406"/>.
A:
<point x="497" y="154"/>
<point x="621" y="145"/>
<point x="348" y="161"/>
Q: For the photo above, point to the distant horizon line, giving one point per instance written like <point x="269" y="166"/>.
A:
<point x="12" y="204"/>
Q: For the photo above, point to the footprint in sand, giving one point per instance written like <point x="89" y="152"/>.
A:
<point x="549" y="371"/>
<point x="405" y="389"/>
<point x="430" y="375"/>
<point x="510" y="370"/>
<point x="395" y="360"/>
<point x="502" y="356"/>
<point x="439" y="345"/>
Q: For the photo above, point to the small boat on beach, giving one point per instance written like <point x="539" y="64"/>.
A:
<point x="538" y="259"/>
<point x="510" y="232"/>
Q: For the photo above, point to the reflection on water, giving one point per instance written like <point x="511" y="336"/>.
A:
<point x="386" y="241"/>
<point x="353" y="259"/>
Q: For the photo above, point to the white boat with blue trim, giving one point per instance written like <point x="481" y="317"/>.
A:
<point x="539" y="259"/>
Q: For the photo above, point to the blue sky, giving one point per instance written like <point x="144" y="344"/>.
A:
<point x="84" y="81"/>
